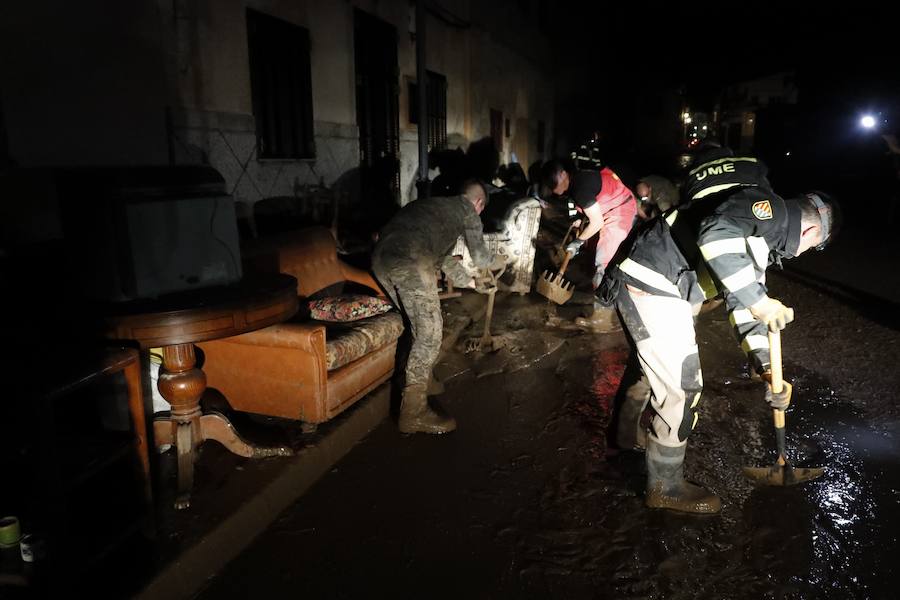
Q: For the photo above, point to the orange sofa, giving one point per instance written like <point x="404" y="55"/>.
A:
<point x="304" y="369"/>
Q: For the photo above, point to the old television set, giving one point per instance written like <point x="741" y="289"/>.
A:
<point x="135" y="233"/>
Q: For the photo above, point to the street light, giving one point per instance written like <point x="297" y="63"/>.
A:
<point x="867" y="121"/>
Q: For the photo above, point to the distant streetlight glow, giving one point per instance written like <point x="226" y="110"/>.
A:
<point x="687" y="120"/>
<point x="687" y="117"/>
<point x="868" y="121"/>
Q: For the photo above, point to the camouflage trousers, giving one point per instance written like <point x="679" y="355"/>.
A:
<point x="413" y="289"/>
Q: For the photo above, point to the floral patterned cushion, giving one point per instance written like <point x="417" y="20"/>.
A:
<point x="347" y="307"/>
<point x="346" y="342"/>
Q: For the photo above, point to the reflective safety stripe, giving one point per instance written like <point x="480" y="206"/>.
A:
<point x="714" y="189"/>
<point x="755" y="342"/>
<point x="741" y="316"/>
<point x="760" y="251"/>
<point x="696" y="400"/>
<point x="696" y="416"/>
<point x="671" y="217"/>
<point x="711" y="250"/>
<point x="648" y="276"/>
<point x="741" y="279"/>
<point x="721" y="161"/>
<point x="705" y="281"/>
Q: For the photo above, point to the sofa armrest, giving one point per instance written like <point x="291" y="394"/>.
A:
<point x="351" y="273"/>
<point x="309" y="337"/>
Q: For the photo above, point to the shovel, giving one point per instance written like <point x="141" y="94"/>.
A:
<point x="554" y="286"/>
<point x="487" y="342"/>
<point x="781" y="473"/>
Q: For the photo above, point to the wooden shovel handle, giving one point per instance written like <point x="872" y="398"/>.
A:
<point x="565" y="264"/>
<point x="777" y="375"/>
<point x="775" y="361"/>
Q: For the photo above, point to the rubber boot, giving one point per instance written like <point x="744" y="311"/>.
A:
<point x="602" y="320"/>
<point x="666" y="487"/>
<point x="417" y="417"/>
<point x="630" y="435"/>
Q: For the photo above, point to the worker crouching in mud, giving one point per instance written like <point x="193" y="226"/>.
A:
<point x="405" y="262"/>
<point x="730" y="228"/>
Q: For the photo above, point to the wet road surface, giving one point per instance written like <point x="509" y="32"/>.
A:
<point x="525" y="500"/>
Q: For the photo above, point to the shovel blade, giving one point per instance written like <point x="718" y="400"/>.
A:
<point x="782" y="476"/>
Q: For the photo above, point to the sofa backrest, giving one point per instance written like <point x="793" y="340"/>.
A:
<point x="308" y="254"/>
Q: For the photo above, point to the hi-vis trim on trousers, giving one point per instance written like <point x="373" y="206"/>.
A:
<point x="663" y="331"/>
<point x="649" y="276"/>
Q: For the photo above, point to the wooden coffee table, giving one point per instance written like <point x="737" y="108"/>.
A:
<point x="175" y="323"/>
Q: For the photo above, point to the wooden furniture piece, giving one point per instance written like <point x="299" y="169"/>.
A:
<point x="303" y="369"/>
<point x="126" y="361"/>
<point x="178" y="321"/>
<point x="83" y="485"/>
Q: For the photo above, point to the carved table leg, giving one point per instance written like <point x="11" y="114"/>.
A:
<point x="215" y="426"/>
<point x="182" y="385"/>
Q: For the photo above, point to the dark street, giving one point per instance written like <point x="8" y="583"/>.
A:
<point x="542" y="299"/>
<point x="525" y="500"/>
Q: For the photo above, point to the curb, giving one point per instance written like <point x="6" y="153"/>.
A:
<point x="187" y="574"/>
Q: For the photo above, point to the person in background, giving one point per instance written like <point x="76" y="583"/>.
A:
<point x="610" y="209"/>
<point x="655" y="196"/>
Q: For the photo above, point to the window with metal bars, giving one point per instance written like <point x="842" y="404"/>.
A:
<point x="436" y="103"/>
<point x="281" y="86"/>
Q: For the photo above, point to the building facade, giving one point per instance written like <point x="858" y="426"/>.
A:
<point x="281" y="97"/>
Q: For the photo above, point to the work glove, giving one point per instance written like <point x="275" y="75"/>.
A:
<point x="574" y="246"/>
<point x="782" y="399"/>
<point x="773" y="313"/>
<point x="485" y="283"/>
<point x="497" y="263"/>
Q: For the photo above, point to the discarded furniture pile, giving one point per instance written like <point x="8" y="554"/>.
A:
<point x="514" y="237"/>
<point x="306" y="369"/>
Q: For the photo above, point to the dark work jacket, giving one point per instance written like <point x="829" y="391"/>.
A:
<point x="730" y="229"/>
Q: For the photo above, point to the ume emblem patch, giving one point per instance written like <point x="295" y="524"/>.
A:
<point x="762" y="210"/>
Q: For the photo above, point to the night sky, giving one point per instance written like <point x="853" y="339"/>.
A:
<point x="845" y="59"/>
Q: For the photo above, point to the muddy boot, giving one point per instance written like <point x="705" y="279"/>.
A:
<point x="435" y="386"/>
<point x="666" y="487"/>
<point x="630" y="434"/>
<point x="602" y="320"/>
<point x="417" y="417"/>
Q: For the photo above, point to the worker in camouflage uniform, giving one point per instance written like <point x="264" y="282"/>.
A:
<point x="405" y="261"/>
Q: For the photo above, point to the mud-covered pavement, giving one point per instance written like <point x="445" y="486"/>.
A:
<point x="526" y="500"/>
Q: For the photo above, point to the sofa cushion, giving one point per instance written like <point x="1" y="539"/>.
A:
<point x="346" y="342"/>
<point x="347" y="307"/>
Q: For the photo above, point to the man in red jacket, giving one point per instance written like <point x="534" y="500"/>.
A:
<point x="610" y="208"/>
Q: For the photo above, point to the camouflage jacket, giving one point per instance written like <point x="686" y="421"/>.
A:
<point x="426" y="230"/>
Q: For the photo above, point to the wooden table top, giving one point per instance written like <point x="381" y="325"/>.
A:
<point x="257" y="301"/>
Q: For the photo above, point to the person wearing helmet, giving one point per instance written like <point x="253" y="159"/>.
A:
<point x="610" y="208"/>
<point x="730" y="227"/>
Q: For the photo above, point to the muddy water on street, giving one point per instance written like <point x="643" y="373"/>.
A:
<point x="525" y="500"/>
